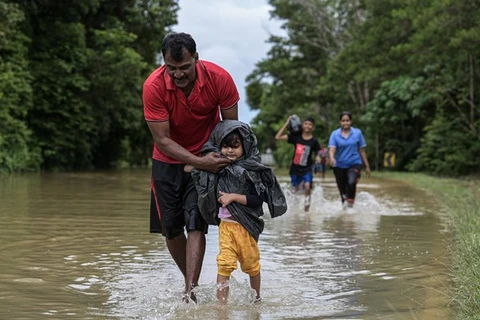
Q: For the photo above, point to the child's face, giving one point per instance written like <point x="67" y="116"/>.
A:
<point x="308" y="126"/>
<point x="232" y="153"/>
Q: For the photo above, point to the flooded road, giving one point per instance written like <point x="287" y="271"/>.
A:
<point x="76" y="246"/>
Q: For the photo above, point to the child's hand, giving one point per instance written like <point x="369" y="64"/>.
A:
<point x="226" y="198"/>
<point x="188" y="168"/>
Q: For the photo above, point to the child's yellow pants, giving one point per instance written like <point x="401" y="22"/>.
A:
<point x="236" y="244"/>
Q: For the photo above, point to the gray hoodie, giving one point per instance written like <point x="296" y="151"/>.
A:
<point x="233" y="179"/>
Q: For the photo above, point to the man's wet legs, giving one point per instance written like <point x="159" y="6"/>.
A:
<point x="178" y="250"/>
<point x="195" y="254"/>
<point x="188" y="254"/>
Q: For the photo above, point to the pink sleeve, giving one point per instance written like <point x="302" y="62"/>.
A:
<point x="153" y="105"/>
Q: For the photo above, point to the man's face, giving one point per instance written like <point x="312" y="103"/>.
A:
<point x="182" y="72"/>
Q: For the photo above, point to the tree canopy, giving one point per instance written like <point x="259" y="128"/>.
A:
<point x="72" y="75"/>
<point x="407" y="70"/>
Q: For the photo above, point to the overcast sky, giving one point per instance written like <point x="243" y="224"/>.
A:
<point x="232" y="34"/>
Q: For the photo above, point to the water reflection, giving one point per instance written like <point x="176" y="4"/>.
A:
<point x="76" y="246"/>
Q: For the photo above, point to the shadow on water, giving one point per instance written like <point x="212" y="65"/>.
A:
<point x="76" y="246"/>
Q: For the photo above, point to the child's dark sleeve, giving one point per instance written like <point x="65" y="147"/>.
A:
<point x="253" y="200"/>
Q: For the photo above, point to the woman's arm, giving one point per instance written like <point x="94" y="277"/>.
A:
<point x="331" y="155"/>
<point x="363" y="154"/>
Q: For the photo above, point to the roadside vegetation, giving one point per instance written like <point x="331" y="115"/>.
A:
<point x="71" y="76"/>
<point x="408" y="71"/>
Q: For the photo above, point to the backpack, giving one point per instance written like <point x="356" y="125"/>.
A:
<point x="295" y="125"/>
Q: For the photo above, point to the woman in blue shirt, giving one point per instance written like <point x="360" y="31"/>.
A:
<point x="348" y="158"/>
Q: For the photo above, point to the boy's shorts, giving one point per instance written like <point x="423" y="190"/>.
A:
<point x="236" y="244"/>
<point x="173" y="205"/>
<point x="296" y="180"/>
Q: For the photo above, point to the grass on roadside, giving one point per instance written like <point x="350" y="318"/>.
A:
<point x="280" y="171"/>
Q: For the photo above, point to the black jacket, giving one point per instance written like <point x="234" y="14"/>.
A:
<point x="233" y="179"/>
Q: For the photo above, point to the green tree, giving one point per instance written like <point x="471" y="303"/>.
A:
<point x="408" y="72"/>
<point x="398" y="114"/>
<point x="447" y="34"/>
<point x="16" y="151"/>
<point x="287" y="81"/>
<point x="87" y="61"/>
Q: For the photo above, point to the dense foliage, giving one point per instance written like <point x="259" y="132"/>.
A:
<point x="71" y="74"/>
<point x="407" y="70"/>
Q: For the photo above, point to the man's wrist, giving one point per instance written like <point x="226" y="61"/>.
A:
<point x="198" y="162"/>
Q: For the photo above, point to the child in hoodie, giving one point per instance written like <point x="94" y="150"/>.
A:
<point x="233" y="199"/>
<point x="236" y="244"/>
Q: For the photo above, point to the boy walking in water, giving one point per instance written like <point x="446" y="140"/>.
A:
<point x="321" y="161"/>
<point x="233" y="198"/>
<point x="305" y="146"/>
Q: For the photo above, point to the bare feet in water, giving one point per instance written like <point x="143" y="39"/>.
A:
<point x="307" y="203"/>
<point x="186" y="298"/>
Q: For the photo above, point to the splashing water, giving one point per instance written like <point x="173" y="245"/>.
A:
<point x="385" y="258"/>
<point x="325" y="200"/>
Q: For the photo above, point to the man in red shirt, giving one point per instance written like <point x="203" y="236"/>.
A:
<point x="183" y="101"/>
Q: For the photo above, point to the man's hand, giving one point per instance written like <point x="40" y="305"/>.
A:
<point x="213" y="162"/>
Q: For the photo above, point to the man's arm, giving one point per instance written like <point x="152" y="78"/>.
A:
<point x="280" y="135"/>
<point x="230" y="113"/>
<point x="161" y="135"/>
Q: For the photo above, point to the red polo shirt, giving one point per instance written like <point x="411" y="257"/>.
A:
<point x="193" y="119"/>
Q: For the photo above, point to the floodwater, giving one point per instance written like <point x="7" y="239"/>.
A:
<point x="77" y="246"/>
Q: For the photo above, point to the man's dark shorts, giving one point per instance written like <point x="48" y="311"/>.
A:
<point x="173" y="206"/>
